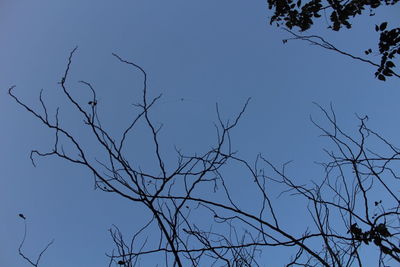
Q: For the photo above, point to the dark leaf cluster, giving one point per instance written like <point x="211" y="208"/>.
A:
<point x="302" y="16"/>
<point x="389" y="48"/>
<point x="377" y="234"/>
<point x="297" y="14"/>
<point x="293" y="14"/>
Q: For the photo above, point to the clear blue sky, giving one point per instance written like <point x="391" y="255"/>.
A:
<point x="202" y="51"/>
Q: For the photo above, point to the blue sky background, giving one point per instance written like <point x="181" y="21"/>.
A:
<point x="202" y="51"/>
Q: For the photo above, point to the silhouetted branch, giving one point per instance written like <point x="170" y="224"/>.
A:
<point x="34" y="263"/>
<point x="321" y="42"/>
<point x="342" y="214"/>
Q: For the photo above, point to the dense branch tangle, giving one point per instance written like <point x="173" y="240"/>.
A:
<point x="230" y="233"/>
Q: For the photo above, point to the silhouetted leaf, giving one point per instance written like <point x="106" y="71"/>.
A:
<point x="381" y="77"/>
<point x="377" y="240"/>
<point x="385" y="250"/>
<point x="387" y="72"/>
<point x="382" y="230"/>
<point x="390" y="64"/>
<point x="368" y="51"/>
<point x="383" y="26"/>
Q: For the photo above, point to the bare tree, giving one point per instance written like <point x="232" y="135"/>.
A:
<point x="345" y="218"/>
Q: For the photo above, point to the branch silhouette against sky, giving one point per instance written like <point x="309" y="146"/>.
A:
<point x="179" y="134"/>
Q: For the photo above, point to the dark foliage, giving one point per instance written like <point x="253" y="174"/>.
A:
<point x="302" y="16"/>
